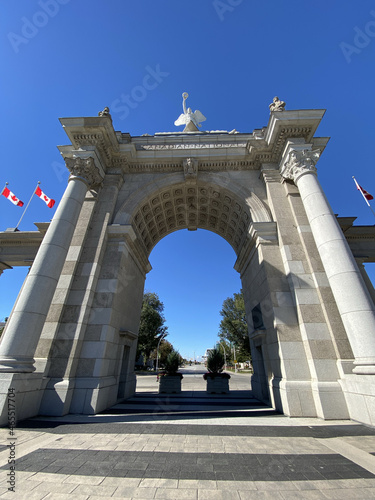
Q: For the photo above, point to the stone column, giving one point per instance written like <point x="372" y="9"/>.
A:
<point x="352" y="297"/>
<point x="25" y="325"/>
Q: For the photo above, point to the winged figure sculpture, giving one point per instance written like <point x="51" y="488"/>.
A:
<point x="188" y="118"/>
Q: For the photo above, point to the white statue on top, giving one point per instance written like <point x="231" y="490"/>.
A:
<point x="188" y="118"/>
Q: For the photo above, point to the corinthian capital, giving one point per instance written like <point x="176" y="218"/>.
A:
<point x="86" y="169"/>
<point x="300" y="162"/>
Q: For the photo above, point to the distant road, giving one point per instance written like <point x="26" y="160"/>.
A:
<point x="193" y="369"/>
<point x="193" y="380"/>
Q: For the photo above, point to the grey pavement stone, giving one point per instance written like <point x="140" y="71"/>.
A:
<point x="174" y="494"/>
<point x="135" y="492"/>
<point x="302" y="495"/>
<point x="64" y="496"/>
<point x="222" y="494"/>
<point x="259" y="495"/>
<point x="199" y="456"/>
<point x="87" y="489"/>
<point x="349" y="494"/>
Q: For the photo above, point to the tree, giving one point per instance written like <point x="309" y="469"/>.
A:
<point x="165" y="349"/>
<point x="151" y="326"/>
<point x="233" y="326"/>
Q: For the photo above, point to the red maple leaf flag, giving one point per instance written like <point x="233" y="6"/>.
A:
<point x="367" y="196"/>
<point x="12" y="197"/>
<point x="48" y="201"/>
<point x="365" y="193"/>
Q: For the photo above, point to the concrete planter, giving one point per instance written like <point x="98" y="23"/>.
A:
<point x="218" y="384"/>
<point x="170" y="384"/>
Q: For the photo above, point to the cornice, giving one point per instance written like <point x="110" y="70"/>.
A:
<point x="215" y="151"/>
<point x="24" y="238"/>
<point x="88" y="133"/>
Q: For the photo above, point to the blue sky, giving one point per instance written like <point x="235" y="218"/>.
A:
<point x="65" y="58"/>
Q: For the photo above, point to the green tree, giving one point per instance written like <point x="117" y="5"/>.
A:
<point x="173" y="362"/>
<point x="151" y="326"/>
<point x="233" y="326"/>
<point x="215" y="360"/>
<point x="165" y="349"/>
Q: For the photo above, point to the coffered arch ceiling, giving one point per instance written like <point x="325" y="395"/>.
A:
<point x="192" y="205"/>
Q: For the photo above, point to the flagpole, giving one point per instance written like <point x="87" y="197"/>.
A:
<point x="364" y="197"/>
<point x="27" y="206"/>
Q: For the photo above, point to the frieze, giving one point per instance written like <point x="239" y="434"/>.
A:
<point x="204" y="166"/>
<point x="229" y="165"/>
<point x="120" y="162"/>
<point x="152" y="167"/>
<point x="24" y="243"/>
<point x="213" y="145"/>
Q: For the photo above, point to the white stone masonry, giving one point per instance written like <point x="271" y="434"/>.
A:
<point x="351" y="294"/>
<point x="23" y="331"/>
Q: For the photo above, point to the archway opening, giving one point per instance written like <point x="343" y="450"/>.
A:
<point x="193" y="274"/>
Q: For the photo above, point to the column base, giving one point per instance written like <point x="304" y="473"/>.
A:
<point x="19" y="364"/>
<point x="300" y="398"/>
<point x="330" y="401"/>
<point x="359" y="392"/>
<point x="28" y="391"/>
<point x="93" y="394"/>
<point x="57" y="397"/>
<point x="364" y="367"/>
<point x="293" y="397"/>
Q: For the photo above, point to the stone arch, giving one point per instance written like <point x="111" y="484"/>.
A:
<point x="93" y="261"/>
<point x="214" y="202"/>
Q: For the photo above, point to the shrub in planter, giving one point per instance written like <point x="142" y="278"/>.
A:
<point x="217" y="380"/>
<point x="170" y="378"/>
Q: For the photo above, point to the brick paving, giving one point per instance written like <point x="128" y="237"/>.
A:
<point x="189" y="445"/>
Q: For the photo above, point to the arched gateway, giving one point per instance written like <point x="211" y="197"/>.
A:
<point x="70" y="343"/>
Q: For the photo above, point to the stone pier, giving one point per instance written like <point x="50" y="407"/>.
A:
<point x="70" y="343"/>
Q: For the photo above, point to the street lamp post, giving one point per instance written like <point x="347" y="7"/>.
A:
<point x="235" y="360"/>
<point x="225" y="354"/>
<point x="225" y="357"/>
<point x="157" y="354"/>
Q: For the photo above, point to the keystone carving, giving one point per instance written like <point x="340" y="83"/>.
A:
<point x="300" y="162"/>
<point x="190" y="168"/>
<point x="84" y="168"/>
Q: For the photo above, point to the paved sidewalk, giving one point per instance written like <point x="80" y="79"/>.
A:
<point x="190" y="445"/>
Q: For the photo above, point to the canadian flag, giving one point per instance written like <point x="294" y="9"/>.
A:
<point x="367" y="196"/>
<point x="365" y="193"/>
<point x="12" y="197"/>
<point x="48" y="201"/>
